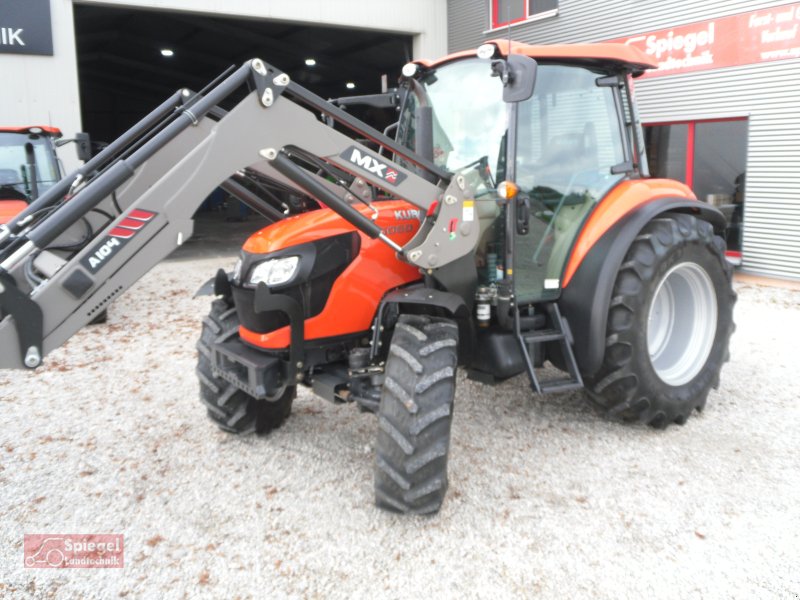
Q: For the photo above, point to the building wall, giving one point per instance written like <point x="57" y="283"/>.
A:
<point x="44" y="89"/>
<point x="766" y="93"/>
<point x="425" y="19"/>
<point x="588" y="20"/>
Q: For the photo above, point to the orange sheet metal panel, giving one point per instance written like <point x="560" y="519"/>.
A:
<point x="623" y="199"/>
<point x="11" y="208"/>
<point x="355" y="295"/>
<point x="620" y="53"/>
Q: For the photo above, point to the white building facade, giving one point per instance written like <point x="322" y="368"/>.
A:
<point x="41" y="87"/>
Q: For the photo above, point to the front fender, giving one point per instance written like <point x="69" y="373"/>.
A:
<point x="586" y="297"/>
<point x="219" y="285"/>
<point x="429" y="300"/>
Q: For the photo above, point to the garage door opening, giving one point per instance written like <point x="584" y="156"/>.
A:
<point x="130" y="60"/>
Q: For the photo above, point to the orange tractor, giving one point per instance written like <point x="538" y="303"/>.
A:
<point x="510" y="223"/>
<point x="29" y="165"/>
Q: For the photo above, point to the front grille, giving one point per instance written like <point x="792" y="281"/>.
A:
<point x="244" y="298"/>
<point x="330" y="257"/>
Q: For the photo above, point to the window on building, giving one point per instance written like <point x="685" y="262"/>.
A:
<point x="711" y="158"/>
<point x="505" y="12"/>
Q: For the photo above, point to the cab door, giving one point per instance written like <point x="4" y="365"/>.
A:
<point x="570" y="153"/>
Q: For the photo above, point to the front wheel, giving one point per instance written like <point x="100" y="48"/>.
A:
<point x="669" y="324"/>
<point x="232" y="409"/>
<point x="415" y="414"/>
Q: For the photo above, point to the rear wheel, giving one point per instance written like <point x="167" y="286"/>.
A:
<point x="669" y="324"/>
<point x="415" y="415"/>
<point x="229" y="407"/>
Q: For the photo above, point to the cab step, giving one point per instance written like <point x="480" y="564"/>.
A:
<point x="560" y="385"/>
<point x="558" y="332"/>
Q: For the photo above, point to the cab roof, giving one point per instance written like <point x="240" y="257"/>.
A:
<point x="627" y="57"/>
<point x="53" y="131"/>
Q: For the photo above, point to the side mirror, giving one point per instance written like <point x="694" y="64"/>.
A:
<point x="83" y="146"/>
<point x="518" y="73"/>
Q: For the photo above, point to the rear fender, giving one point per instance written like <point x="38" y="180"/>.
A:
<point x="586" y="298"/>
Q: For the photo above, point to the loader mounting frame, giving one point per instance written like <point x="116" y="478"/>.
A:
<point x="155" y="176"/>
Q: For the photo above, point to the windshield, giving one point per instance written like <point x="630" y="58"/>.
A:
<point x="15" y="173"/>
<point x="469" y="115"/>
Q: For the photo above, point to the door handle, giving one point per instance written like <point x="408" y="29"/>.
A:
<point x="523" y="213"/>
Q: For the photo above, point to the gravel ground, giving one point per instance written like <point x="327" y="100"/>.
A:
<point x="545" y="498"/>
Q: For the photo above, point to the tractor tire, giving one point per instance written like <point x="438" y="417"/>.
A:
<point x="232" y="409"/>
<point x="669" y="324"/>
<point x="415" y="414"/>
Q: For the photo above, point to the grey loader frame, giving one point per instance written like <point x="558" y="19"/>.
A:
<point x="157" y="184"/>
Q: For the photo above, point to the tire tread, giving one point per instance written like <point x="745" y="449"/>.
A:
<point x="620" y="389"/>
<point x="415" y="416"/>
<point x="232" y="409"/>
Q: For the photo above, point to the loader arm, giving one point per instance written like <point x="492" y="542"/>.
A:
<point x="156" y="182"/>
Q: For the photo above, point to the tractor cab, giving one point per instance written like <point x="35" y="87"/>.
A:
<point x="541" y="158"/>
<point x="28" y="166"/>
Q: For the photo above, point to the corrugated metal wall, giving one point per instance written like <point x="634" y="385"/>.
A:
<point x="766" y="93"/>
<point x="589" y="20"/>
<point x="466" y="22"/>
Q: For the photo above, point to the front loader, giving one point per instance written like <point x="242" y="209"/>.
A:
<point x="510" y="223"/>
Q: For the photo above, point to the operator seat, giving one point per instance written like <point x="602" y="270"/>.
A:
<point x="9" y="177"/>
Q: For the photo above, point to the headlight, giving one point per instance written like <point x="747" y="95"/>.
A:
<point x="275" y="272"/>
<point x="237" y="270"/>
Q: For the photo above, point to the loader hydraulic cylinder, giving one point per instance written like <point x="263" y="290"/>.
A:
<point x="112" y="178"/>
<point x="59" y="190"/>
<point x="284" y="165"/>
